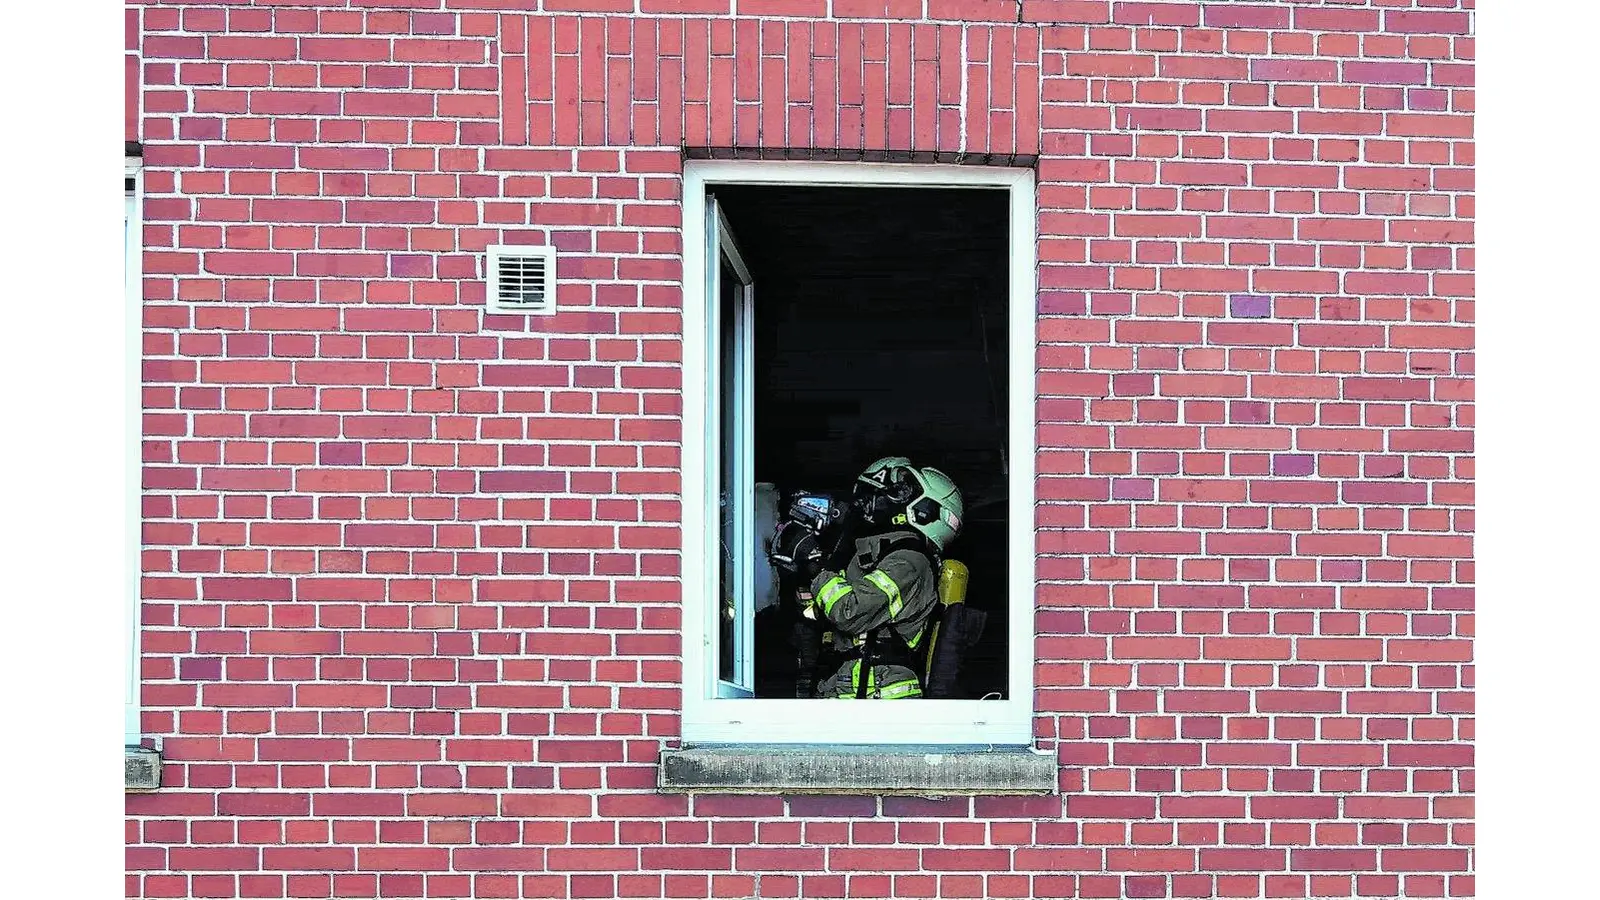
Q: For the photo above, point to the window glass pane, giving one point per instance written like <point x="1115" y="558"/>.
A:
<point x="728" y="488"/>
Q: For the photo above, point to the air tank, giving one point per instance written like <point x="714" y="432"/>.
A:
<point x="952" y="582"/>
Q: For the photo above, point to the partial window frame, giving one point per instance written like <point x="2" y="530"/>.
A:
<point x="709" y="720"/>
<point x="133" y="328"/>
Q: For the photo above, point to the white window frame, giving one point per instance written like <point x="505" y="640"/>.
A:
<point x="709" y="719"/>
<point x="133" y="329"/>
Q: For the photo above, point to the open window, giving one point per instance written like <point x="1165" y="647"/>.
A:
<point x="836" y="313"/>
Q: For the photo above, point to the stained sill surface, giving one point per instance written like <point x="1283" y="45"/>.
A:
<point x="832" y="769"/>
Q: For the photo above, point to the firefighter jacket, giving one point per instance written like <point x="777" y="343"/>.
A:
<point x="890" y="584"/>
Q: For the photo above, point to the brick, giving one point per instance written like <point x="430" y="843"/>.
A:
<point x="380" y="103"/>
<point x="264" y="156"/>
<point x="263" y="804"/>
<point x="344" y="158"/>
<point x="1241" y="859"/>
<point x="357" y="804"/>
<point x="214" y="859"/>
<point x="450" y="804"/>
<point x="1426" y="21"/>
<point x="498" y="859"/>
<point x="1342" y="860"/>
<point x="320" y="859"/>
<point x="1149" y="859"/>
<point x="294" y="103"/>
<point x="966" y="860"/>
<point x="1314" y="70"/>
<point x="1431" y="859"/>
<point x="1383" y="72"/>
<point x="402" y="859"/>
<point x="1293" y="807"/>
<point x="1094" y="807"/>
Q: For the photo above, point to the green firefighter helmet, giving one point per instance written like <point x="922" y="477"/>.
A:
<point x="923" y="498"/>
<point x="880" y="473"/>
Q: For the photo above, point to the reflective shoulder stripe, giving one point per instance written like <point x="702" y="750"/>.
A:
<point x="832" y="591"/>
<point x="889" y="588"/>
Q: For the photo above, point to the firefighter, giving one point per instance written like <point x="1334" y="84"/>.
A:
<point x="877" y="605"/>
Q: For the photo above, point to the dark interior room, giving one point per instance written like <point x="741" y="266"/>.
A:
<point x="881" y="330"/>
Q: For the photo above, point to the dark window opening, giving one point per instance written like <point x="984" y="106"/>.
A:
<point x="880" y="328"/>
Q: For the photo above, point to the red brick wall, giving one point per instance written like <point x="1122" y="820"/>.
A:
<point x="411" y="618"/>
<point x="130" y="75"/>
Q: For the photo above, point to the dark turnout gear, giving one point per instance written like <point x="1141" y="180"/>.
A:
<point x="878" y="607"/>
<point x="872" y="598"/>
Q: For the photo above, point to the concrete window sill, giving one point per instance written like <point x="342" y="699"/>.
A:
<point x="921" y="771"/>
<point x="141" y="770"/>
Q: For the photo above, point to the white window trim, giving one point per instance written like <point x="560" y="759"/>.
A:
<point x="710" y="720"/>
<point x="133" y="328"/>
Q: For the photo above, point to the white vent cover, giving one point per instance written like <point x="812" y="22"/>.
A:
<point x="522" y="280"/>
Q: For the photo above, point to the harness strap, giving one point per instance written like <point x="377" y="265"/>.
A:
<point x="884" y="645"/>
<point x="894" y="690"/>
<point x="868" y="558"/>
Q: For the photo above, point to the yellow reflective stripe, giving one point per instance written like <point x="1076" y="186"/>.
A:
<point x="896" y="690"/>
<point x="900" y="690"/>
<point x="832" y="591"/>
<point x="916" y="639"/>
<point x="889" y="588"/>
<point x="833" y="587"/>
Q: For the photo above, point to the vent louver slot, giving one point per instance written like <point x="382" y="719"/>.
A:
<point x="522" y="280"/>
